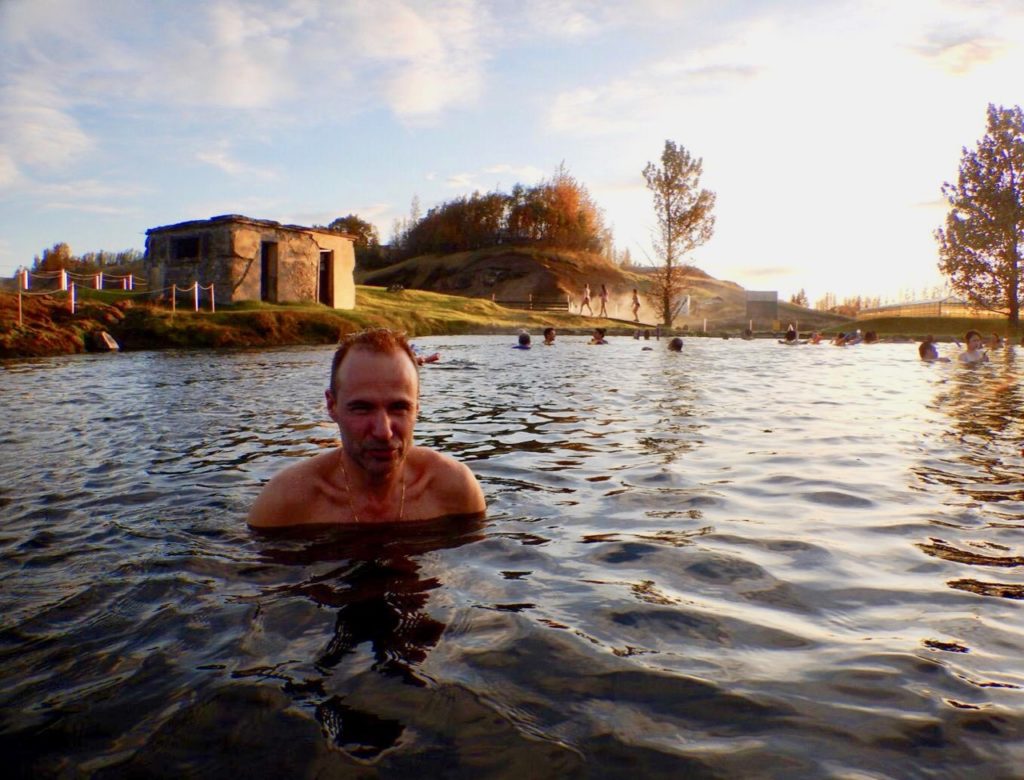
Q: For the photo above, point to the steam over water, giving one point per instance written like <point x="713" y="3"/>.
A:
<point x="743" y="560"/>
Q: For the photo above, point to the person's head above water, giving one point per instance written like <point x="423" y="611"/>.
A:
<point x="549" y="335"/>
<point x="377" y="474"/>
<point x="927" y="349"/>
<point x="378" y="340"/>
<point x="676" y="345"/>
<point x="524" y="340"/>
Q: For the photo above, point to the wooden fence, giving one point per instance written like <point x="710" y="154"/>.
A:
<point x="535" y="303"/>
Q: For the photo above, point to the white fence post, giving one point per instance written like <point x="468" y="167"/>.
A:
<point x="131" y="281"/>
<point x="71" y="297"/>
<point x="99" y="280"/>
<point x="174" y="298"/>
<point x="195" y="294"/>
<point x="213" y="300"/>
<point x="63" y="279"/>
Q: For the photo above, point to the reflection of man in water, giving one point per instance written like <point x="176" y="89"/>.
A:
<point x="377" y="474"/>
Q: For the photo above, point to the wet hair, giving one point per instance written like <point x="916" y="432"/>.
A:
<point x="927" y="347"/>
<point x="967" y="337"/>
<point x="676" y="344"/>
<point x="380" y="340"/>
<point x="549" y="332"/>
<point x="524" y="339"/>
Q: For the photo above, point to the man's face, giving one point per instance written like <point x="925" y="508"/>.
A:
<point x="374" y="403"/>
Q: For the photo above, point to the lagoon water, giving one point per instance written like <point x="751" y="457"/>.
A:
<point x="744" y="560"/>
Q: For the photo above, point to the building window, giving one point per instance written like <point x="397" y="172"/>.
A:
<point x="184" y="248"/>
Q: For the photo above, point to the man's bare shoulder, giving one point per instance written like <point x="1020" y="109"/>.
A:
<point x="452" y="483"/>
<point x="289" y="492"/>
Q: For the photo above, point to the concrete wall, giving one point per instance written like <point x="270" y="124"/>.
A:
<point x="344" y="286"/>
<point x="230" y="254"/>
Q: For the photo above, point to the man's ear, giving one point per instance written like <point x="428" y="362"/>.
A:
<point x="331" y="401"/>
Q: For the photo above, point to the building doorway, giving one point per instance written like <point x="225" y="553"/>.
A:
<point x="268" y="271"/>
<point x="326" y="296"/>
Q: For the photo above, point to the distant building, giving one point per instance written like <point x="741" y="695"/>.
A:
<point x="254" y="260"/>
<point x="763" y="306"/>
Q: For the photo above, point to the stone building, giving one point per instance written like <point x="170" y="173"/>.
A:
<point x="254" y="260"/>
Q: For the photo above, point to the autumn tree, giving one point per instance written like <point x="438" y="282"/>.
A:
<point x="557" y="212"/>
<point x="363" y="233"/>
<point x="799" y="299"/>
<point x="684" y="221"/>
<point x="60" y="256"/>
<point x="981" y="245"/>
<point x="365" y="240"/>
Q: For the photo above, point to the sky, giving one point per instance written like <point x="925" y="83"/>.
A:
<point x="826" y="127"/>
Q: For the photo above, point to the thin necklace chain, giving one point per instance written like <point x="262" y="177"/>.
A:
<point x="348" y="489"/>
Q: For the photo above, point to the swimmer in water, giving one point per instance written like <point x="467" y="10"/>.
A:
<point x="973" y="354"/>
<point x="929" y="352"/>
<point x="377" y="474"/>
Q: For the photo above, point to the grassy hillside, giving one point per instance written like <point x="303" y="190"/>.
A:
<point x="508" y="273"/>
<point x="514" y="273"/>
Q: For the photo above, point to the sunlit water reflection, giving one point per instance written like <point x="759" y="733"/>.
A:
<point x="747" y="559"/>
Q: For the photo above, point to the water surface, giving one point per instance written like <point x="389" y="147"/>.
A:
<point x="743" y="560"/>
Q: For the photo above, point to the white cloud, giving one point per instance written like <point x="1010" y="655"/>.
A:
<point x="564" y="18"/>
<point x="521" y="174"/>
<point x="93" y="208"/>
<point x="462" y="181"/>
<point x="37" y="127"/>
<point x="219" y="156"/>
<point x="499" y="175"/>
<point x="9" y="173"/>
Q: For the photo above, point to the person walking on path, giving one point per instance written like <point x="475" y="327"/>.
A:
<point x="603" y="295"/>
<point x="586" y="300"/>
<point x="636" y="306"/>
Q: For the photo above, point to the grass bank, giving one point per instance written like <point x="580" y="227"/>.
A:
<point x="49" y="328"/>
<point x="942" y="328"/>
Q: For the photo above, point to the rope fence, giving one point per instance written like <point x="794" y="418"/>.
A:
<point x="71" y="283"/>
<point x="63" y="277"/>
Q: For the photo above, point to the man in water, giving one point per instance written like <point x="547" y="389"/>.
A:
<point x="549" y="336"/>
<point x="376" y="475"/>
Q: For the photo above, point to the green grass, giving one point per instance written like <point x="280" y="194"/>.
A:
<point x="939" y="327"/>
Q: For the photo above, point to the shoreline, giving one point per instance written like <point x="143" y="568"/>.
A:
<point x="50" y="329"/>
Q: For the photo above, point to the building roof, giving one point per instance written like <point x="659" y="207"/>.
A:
<point x="225" y="219"/>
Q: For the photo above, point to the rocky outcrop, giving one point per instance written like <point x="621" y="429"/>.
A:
<point x="47" y="326"/>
